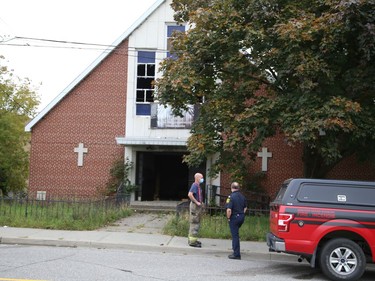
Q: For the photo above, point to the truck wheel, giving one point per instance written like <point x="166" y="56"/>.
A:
<point x="342" y="259"/>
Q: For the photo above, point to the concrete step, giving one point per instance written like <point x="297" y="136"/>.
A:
<point x="155" y="206"/>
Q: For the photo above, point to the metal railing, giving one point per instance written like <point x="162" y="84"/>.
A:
<point x="258" y="203"/>
<point x="220" y="210"/>
<point x="216" y="196"/>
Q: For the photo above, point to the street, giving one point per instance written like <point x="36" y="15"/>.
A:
<point x="21" y="263"/>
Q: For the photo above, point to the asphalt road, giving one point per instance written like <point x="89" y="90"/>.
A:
<point x="26" y="263"/>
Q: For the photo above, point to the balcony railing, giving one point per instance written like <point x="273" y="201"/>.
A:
<point x="163" y="118"/>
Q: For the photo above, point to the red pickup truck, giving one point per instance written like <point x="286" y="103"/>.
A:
<point x="330" y="223"/>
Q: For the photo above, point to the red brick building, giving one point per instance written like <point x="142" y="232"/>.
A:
<point x="92" y="113"/>
<point x="109" y="112"/>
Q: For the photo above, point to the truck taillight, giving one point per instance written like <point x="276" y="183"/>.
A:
<point x="284" y="222"/>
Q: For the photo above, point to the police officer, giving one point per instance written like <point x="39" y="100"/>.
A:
<point x="236" y="206"/>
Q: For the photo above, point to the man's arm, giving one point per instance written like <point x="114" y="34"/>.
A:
<point x="192" y="198"/>
<point x="229" y="213"/>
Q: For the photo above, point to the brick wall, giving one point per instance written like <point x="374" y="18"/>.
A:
<point x="286" y="162"/>
<point x="92" y="113"/>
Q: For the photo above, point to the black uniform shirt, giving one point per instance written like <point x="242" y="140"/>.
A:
<point x="237" y="202"/>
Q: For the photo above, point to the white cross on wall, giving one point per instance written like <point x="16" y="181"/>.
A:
<point x="265" y="155"/>
<point x="80" y="150"/>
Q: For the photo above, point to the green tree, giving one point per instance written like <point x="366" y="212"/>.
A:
<point x="119" y="181"/>
<point x="304" y="68"/>
<point x="17" y="105"/>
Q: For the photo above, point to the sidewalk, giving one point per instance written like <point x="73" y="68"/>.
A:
<point x="133" y="241"/>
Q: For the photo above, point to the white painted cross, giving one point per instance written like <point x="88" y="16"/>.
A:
<point x="265" y="155"/>
<point x="80" y="150"/>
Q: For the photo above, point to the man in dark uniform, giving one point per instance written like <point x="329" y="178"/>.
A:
<point x="236" y="209"/>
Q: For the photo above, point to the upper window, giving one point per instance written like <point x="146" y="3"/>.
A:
<point x="145" y="78"/>
<point x="170" y="30"/>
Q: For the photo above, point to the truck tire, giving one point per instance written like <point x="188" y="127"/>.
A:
<point x="342" y="259"/>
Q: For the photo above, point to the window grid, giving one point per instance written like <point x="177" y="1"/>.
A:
<point x="145" y="77"/>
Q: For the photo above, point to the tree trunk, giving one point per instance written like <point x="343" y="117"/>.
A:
<point x="314" y="164"/>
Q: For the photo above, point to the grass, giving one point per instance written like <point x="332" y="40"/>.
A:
<point x="70" y="215"/>
<point x="60" y="214"/>
<point x="253" y="229"/>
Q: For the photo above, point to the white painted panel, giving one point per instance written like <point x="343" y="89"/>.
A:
<point x="151" y="35"/>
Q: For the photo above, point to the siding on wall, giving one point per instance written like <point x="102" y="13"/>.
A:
<point x="92" y="113"/>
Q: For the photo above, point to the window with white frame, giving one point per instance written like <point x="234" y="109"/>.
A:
<point x="145" y="77"/>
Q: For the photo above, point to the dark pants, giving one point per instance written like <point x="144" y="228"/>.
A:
<point x="234" y="224"/>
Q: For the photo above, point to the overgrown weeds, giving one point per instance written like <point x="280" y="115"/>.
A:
<point x="216" y="226"/>
<point x="66" y="215"/>
<point x="90" y="215"/>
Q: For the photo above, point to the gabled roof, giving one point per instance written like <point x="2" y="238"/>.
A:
<point x="93" y="65"/>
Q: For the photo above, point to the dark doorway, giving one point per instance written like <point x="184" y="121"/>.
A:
<point x="162" y="176"/>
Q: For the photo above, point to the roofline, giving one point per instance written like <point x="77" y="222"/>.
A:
<point x="92" y="66"/>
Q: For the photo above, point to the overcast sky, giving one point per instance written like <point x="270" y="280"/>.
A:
<point x="56" y="65"/>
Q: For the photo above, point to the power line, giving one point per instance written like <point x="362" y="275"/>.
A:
<point x="63" y="41"/>
<point x="53" y="47"/>
<point x="85" y="46"/>
<point x="27" y="44"/>
<point x="106" y="47"/>
<point x="115" y="50"/>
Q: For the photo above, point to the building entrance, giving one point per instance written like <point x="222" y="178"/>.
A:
<point x="163" y="176"/>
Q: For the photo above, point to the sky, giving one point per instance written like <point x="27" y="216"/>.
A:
<point x="52" y="66"/>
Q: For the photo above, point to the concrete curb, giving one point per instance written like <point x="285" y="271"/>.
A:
<point x="135" y="242"/>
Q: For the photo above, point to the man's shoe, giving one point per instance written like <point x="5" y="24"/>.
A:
<point x="196" y="245"/>
<point x="233" y="257"/>
<point x="199" y="242"/>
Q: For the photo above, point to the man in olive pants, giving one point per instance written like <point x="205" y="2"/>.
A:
<point x="195" y="210"/>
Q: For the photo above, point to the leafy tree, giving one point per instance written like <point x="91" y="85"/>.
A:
<point x="119" y="182"/>
<point x="305" y="69"/>
<point x="17" y="104"/>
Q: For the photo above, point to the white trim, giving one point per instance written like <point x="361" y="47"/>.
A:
<point x="93" y="65"/>
<point x="151" y="141"/>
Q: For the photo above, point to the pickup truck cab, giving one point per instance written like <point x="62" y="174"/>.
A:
<point x="330" y="223"/>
